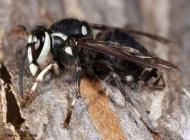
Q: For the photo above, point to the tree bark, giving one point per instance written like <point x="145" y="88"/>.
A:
<point x="95" y="116"/>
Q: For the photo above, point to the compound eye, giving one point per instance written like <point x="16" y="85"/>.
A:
<point x="37" y="45"/>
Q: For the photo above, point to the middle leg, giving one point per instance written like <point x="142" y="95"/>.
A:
<point x="75" y="96"/>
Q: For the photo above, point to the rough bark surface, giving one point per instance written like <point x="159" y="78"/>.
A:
<point x="95" y="116"/>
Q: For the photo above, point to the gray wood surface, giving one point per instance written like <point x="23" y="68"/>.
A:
<point x="166" y="111"/>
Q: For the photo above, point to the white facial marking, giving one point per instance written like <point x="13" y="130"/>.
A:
<point x="84" y="30"/>
<point x="68" y="50"/>
<point x="45" y="50"/>
<point x="30" y="55"/>
<point x="30" y="39"/>
<point x="64" y="37"/>
<point x="33" y="69"/>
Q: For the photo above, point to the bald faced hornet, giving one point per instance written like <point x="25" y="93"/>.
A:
<point x="112" y="52"/>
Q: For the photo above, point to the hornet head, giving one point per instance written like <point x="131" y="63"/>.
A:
<point x="38" y="49"/>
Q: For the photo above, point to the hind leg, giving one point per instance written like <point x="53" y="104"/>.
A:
<point x="31" y="95"/>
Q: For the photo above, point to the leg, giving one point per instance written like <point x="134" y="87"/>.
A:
<point x="118" y="82"/>
<point x="120" y="86"/>
<point x="40" y="77"/>
<point x="109" y="69"/>
<point x="28" y="98"/>
<point x="129" y="99"/>
<point x="75" y="96"/>
<point x="70" y="111"/>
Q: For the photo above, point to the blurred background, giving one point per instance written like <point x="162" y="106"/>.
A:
<point x="170" y="19"/>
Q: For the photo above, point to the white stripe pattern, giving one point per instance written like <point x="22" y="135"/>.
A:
<point x="30" y="59"/>
<point x="45" y="50"/>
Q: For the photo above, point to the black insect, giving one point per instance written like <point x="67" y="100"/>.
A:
<point x="112" y="52"/>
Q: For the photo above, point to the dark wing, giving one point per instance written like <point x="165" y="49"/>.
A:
<point x="132" y="32"/>
<point x="124" y="52"/>
<point x="149" y="35"/>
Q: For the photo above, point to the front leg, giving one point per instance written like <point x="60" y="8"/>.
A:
<point x="31" y="95"/>
<point x="75" y="96"/>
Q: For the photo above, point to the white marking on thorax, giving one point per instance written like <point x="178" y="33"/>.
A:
<point x="129" y="78"/>
<point x="84" y="30"/>
<point x="64" y="37"/>
<point x="45" y="50"/>
<point x="33" y="69"/>
<point x="30" y="59"/>
<point x="68" y="50"/>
